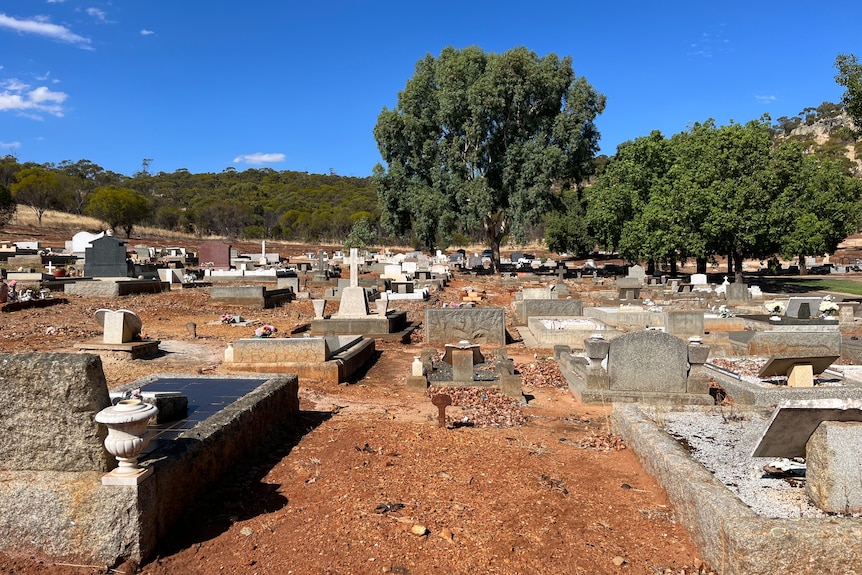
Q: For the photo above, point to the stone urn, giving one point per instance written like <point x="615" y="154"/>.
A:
<point x="319" y="307"/>
<point x="127" y="437"/>
<point x="382" y="305"/>
<point x="698" y="352"/>
<point x="596" y="347"/>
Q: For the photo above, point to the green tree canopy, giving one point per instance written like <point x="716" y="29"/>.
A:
<point x="703" y="192"/>
<point x="850" y="76"/>
<point x="361" y="235"/>
<point x="118" y="207"/>
<point x="566" y="228"/>
<point x="481" y="141"/>
<point x="39" y="189"/>
<point x="7" y="205"/>
<point x="817" y="204"/>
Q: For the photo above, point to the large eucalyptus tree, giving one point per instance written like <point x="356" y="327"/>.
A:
<point x="483" y="141"/>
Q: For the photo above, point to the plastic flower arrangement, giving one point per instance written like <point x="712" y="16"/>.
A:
<point x="265" y="330"/>
<point x="227" y="318"/>
<point x="775" y="307"/>
<point x="724" y="312"/>
<point x="828" y="307"/>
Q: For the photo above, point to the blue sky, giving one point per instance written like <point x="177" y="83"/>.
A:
<point x="298" y="86"/>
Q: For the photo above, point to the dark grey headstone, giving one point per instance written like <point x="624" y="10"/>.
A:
<point x="648" y="360"/>
<point x="803" y="307"/>
<point x="106" y="258"/>
<point x="48" y="402"/>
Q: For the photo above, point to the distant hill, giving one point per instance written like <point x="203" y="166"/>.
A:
<point x="827" y="132"/>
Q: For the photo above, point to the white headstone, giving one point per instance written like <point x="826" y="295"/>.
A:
<point x="354" y="267"/>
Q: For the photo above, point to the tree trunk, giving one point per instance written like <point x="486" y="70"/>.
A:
<point x="803" y="269"/>
<point x="673" y="267"/>
<point x="495" y="227"/>
<point x="701" y="265"/>
<point x="737" y="261"/>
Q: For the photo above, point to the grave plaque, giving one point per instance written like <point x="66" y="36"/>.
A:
<point x="794" y="421"/>
<point x="803" y="307"/>
<point x="799" y="370"/>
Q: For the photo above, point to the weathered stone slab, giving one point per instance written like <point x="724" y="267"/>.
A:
<point x="648" y="360"/>
<point x="832" y="475"/>
<point x="476" y="325"/>
<point x="48" y="402"/>
<point x="638" y="272"/>
<point x="630" y="283"/>
<point x="354" y="302"/>
<point x="536" y="293"/>
<point x="120" y="326"/>
<point x="793" y="422"/>
<point x="549" y="307"/>
<point x="737" y="293"/>
<point x="685" y="323"/>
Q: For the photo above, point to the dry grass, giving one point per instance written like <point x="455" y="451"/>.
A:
<point x="73" y="223"/>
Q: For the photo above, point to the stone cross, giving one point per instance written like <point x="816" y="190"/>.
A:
<point x="354" y="267"/>
<point x="50" y="267"/>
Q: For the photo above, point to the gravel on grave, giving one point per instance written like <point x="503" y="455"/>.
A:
<point x="722" y="440"/>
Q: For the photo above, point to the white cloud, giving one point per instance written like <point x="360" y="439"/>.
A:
<point x="14" y="85"/>
<point x="10" y="145"/>
<point x="765" y="99"/>
<point x="259" y="158"/>
<point x="96" y="13"/>
<point x="56" y="1"/>
<point x="40" y="26"/>
<point x="16" y="96"/>
<point x="146" y="32"/>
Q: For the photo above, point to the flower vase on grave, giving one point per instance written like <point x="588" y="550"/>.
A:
<point x="418" y="368"/>
<point x="127" y="437"/>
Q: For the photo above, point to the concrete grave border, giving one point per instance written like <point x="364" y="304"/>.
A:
<point x="733" y="539"/>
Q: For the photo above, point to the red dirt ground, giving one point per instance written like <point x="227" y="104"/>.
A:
<point x="367" y="465"/>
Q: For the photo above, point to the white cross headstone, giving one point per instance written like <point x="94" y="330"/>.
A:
<point x="50" y="267"/>
<point x="354" y="267"/>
